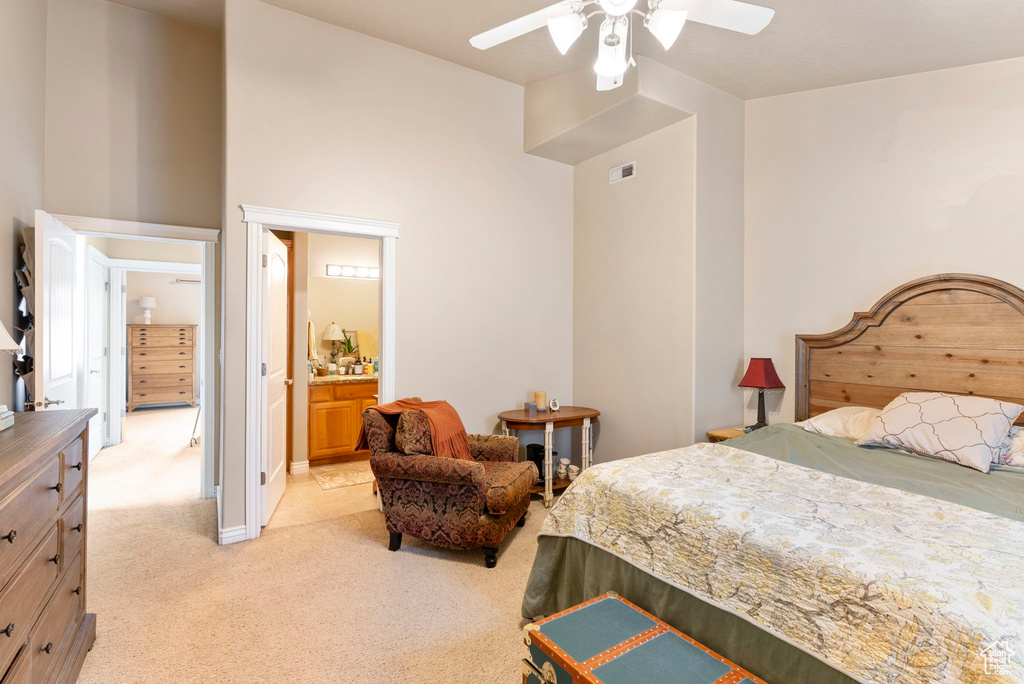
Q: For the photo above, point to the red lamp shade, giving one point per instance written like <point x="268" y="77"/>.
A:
<point x="761" y="375"/>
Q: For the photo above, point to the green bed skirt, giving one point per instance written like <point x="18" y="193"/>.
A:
<point x="568" y="572"/>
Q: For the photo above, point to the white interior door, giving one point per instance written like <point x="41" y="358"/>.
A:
<point x="58" y="371"/>
<point x="275" y="442"/>
<point x="97" y="329"/>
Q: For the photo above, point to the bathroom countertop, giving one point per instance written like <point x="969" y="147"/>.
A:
<point x="342" y="379"/>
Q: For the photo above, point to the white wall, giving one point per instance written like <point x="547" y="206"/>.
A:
<point x="148" y="250"/>
<point x="22" y="100"/>
<point x="854" y="190"/>
<point x="633" y="294"/>
<point x="485" y="253"/>
<point x="134" y="115"/>
<point x="176" y="303"/>
<point x="718" y="242"/>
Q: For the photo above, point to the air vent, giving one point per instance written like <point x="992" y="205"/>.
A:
<point x="621" y="173"/>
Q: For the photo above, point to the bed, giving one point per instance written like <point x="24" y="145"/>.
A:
<point x="805" y="558"/>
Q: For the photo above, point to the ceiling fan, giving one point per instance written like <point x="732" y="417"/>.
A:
<point x="567" y="20"/>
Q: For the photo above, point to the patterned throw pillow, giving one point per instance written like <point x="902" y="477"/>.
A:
<point x="412" y="434"/>
<point x="1012" y="451"/>
<point x="963" y="429"/>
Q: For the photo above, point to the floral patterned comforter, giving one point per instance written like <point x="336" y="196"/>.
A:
<point x="883" y="585"/>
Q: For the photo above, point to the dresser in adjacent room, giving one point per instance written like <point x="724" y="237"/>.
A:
<point x="162" y="365"/>
<point x="45" y="632"/>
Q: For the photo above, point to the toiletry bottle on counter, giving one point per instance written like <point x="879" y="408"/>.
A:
<point x="358" y="368"/>
<point x="376" y="365"/>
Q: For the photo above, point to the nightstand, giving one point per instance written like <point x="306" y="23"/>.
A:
<point x="725" y="433"/>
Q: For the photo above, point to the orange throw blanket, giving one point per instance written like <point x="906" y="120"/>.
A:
<point x="447" y="433"/>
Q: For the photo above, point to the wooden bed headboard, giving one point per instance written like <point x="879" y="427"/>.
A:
<point x="956" y="333"/>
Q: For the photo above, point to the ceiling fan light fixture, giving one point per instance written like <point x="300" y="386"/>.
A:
<point x="609" y="82"/>
<point x="617" y="8"/>
<point x="665" y="25"/>
<point x="565" y="30"/>
<point x="611" y="51"/>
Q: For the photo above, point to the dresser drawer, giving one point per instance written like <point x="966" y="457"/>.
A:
<point x="21" y="669"/>
<point x="182" y="341"/>
<point x="144" y="381"/>
<point x="55" y="625"/>
<point x="162" y="330"/>
<point x="74" y="466"/>
<point x="143" y="367"/>
<point x="23" y="596"/>
<point x="72" y="529"/>
<point x="160" y="354"/>
<point x="162" y="396"/>
<point x="24" y="514"/>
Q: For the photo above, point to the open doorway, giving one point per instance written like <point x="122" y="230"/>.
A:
<point x="144" y="299"/>
<point x="269" y="386"/>
<point x="96" y="279"/>
<point x="328" y="325"/>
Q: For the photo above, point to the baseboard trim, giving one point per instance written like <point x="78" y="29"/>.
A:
<point x="231" y="535"/>
<point x="299" y="467"/>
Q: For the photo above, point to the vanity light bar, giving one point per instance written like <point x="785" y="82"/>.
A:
<point x="360" y="272"/>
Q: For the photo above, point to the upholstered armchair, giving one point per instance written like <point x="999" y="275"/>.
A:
<point x="450" y="502"/>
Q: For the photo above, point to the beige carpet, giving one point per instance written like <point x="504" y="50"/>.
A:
<point x="317" y="602"/>
<point x="337" y="475"/>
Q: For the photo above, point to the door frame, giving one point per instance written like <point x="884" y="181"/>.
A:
<point x="212" y="446"/>
<point x="259" y="221"/>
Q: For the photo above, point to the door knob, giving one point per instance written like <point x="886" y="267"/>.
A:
<point x="47" y="401"/>
<point x="94" y="372"/>
<point x="289" y="382"/>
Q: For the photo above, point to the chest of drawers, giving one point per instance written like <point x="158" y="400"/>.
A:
<point x="45" y="632"/>
<point x="161" y="365"/>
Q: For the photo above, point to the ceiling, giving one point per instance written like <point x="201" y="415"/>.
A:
<point x="810" y="44"/>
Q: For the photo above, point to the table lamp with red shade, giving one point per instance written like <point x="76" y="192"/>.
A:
<point x="761" y="376"/>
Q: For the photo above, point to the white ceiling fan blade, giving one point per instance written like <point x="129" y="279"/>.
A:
<point x="523" y="25"/>
<point x="727" y="14"/>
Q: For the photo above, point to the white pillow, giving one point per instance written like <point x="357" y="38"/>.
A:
<point x="1012" y="452"/>
<point x="967" y="430"/>
<point x="851" y="422"/>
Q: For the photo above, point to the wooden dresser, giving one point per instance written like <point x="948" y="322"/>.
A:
<point x="45" y="632"/>
<point x="162" y="365"/>
<point x="335" y="416"/>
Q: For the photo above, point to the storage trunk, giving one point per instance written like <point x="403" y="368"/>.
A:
<point x="608" y="640"/>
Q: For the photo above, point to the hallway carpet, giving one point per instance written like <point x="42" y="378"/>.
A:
<point x="317" y="602"/>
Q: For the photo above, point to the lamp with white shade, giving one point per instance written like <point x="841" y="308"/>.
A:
<point x="147" y="303"/>
<point x="333" y="333"/>
<point x="7" y="346"/>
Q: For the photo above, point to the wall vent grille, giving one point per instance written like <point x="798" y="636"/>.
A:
<point x="621" y="173"/>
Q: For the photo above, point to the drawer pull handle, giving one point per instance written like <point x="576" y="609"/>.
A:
<point x="55" y="560"/>
<point x="57" y="487"/>
<point x="143" y="368"/>
<point x="77" y="590"/>
<point x="77" y="528"/>
<point x="78" y="466"/>
<point x="9" y="631"/>
<point x="180" y="392"/>
<point x="48" y="647"/>
<point x="181" y="353"/>
<point x="142" y="353"/>
<point x="143" y="382"/>
<point x="143" y="395"/>
<point x="10" y="536"/>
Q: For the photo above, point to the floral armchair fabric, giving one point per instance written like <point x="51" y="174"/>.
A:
<point x="450" y="502"/>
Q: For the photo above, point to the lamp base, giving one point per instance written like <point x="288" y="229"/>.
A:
<point x="762" y="421"/>
<point x="147" y="317"/>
